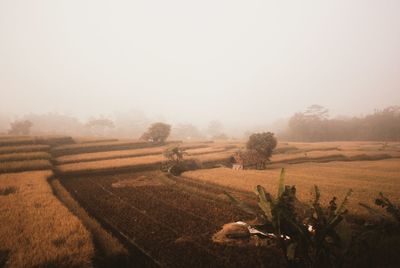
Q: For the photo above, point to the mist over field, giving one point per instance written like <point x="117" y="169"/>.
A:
<point x="213" y="133"/>
<point x="249" y="65"/>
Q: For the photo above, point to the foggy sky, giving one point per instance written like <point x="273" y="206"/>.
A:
<point x="194" y="61"/>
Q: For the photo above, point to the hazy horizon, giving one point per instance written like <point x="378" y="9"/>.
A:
<point x="240" y="62"/>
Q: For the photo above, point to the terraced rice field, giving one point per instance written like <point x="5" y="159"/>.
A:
<point x="8" y="140"/>
<point x="106" y="155"/>
<point x="335" y="151"/>
<point x="158" y="218"/>
<point x="133" y="163"/>
<point x="24" y="156"/>
<point x="75" y="158"/>
<point x="15" y="166"/>
<point x="97" y="147"/>
<point x="366" y="178"/>
<point x="24" y="149"/>
<point x="109" y="165"/>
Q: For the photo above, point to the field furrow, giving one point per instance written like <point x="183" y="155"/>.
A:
<point x="162" y="220"/>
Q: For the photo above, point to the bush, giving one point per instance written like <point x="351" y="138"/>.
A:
<point x="263" y="143"/>
<point x="175" y="164"/>
<point x="377" y="244"/>
<point x="177" y="169"/>
<point x="157" y="132"/>
<point x="174" y="154"/>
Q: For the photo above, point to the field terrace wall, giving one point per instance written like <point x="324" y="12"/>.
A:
<point x="92" y="140"/>
<point x="24" y="156"/>
<point x="27" y="165"/>
<point x="107" y="155"/>
<point x="24" y="148"/>
<point x="31" y="140"/>
<point x="100" y="147"/>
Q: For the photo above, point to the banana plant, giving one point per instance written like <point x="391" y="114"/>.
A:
<point x="384" y="202"/>
<point x="326" y="243"/>
<point x="278" y="212"/>
<point x="310" y="240"/>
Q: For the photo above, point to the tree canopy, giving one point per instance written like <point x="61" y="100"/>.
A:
<point x="22" y="127"/>
<point x="157" y="132"/>
<point x="314" y="124"/>
<point x="263" y="143"/>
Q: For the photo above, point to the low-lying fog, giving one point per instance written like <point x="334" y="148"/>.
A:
<point x="228" y="67"/>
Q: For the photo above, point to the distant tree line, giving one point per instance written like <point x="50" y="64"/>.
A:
<point x="120" y="125"/>
<point x="314" y="125"/>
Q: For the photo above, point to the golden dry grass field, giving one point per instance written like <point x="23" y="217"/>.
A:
<point x="191" y="149"/>
<point x="25" y="165"/>
<point x="23" y="149"/>
<point x="110" y="164"/>
<point x="50" y="234"/>
<point x="206" y="150"/>
<point x="331" y="151"/>
<point x="74" y="158"/>
<point x="134" y="162"/>
<point x="9" y="140"/>
<point x="366" y="178"/>
<point x="36" y="229"/>
<point x="90" y="147"/>
<point x="107" y="246"/>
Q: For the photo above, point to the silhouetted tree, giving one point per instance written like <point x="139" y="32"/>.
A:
<point x="157" y="132"/>
<point x="314" y="125"/>
<point x="22" y="127"/>
<point x="55" y="123"/>
<point x="307" y="125"/>
<point x="215" y="128"/>
<point x="99" y="125"/>
<point x="220" y="136"/>
<point x="317" y="112"/>
<point x="186" y="131"/>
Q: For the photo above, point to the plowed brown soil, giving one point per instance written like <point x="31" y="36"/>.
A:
<point x="171" y="222"/>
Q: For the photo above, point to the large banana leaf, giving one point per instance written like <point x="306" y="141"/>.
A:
<point x="243" y="206"/>
<point x="265" y="201"/>
<point x="281" y="187"/>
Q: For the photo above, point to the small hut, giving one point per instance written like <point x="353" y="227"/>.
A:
<point x="237" y="161"/>
<point x="248" y="159"/>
